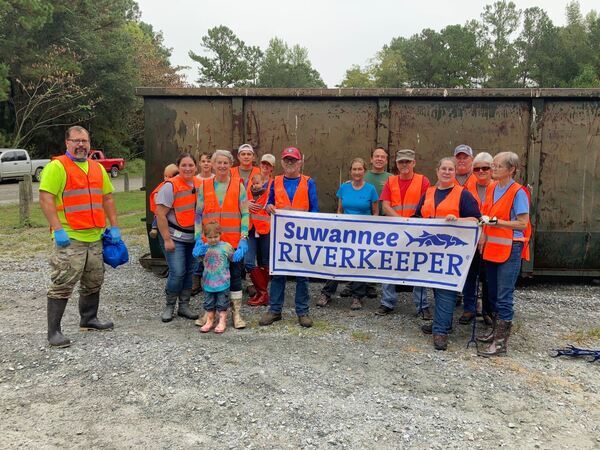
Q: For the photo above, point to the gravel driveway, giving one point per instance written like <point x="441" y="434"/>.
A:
<point x="355" y="380"/>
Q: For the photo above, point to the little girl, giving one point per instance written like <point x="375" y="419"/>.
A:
<point x="215" y="278"/>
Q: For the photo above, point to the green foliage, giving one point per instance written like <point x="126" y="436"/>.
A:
<point x="508" y="47"/>
<point x="230" y="60"/>
<point x="285" y="67"/>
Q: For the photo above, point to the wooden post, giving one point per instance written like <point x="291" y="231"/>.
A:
<point x="25" y="198"/>
<point x="125" y="182"/>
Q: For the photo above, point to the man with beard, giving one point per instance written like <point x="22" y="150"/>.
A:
<point x="76" y="198"/>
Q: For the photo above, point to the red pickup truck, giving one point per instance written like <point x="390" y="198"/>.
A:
<point x="112" y="165"/>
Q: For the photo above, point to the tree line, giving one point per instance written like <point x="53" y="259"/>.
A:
<point x="64" y="62"/>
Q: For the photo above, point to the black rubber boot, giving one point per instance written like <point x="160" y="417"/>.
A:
<point x="169" y="311"/>
<point x="184" y="305"/>
<point x="88" y="310"/>
<point x="56" y="309"/>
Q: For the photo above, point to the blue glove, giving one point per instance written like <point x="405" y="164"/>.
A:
<point x="115" y="235"/>
<point x="241" y="251"/>
<point x="61" y="238"/>
<point x="199" y="249"/>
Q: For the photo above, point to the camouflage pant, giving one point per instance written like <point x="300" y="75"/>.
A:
<point x="80" y="261"/>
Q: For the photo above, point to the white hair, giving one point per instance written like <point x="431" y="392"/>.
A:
<point x="225" y="153"/>
<point x="483" y="157"/>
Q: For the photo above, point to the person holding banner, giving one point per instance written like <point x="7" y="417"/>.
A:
<point x="451" y="202"/>
<point x="259" y="235"/>
<point x="223" y="199"/>
<point x="400" y="197"/>
<point x="504" y="243"/>
<point x="295" y="191"/>
<point x="360" y="198"/>
<point x="481" y="170"/>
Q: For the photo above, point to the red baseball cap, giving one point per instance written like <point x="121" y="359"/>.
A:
<point x="291" y="152"/>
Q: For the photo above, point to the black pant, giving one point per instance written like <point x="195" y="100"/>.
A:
<point x="358" y="288"/>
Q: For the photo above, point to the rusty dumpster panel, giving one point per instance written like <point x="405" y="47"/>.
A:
<point x="433" y="128"/>
<point x="555" y="132"/>
<point x="568" y="228"/>
<point x="328" y="132"/>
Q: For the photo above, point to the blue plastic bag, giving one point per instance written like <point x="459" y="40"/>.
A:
<point x="113" y="254"/>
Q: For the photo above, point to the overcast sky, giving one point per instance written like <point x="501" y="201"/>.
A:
<point x="337" y="33"/>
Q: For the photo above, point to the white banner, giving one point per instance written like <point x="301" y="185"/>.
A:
<point x="416" y="252"/>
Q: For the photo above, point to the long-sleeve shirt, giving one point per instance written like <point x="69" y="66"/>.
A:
<point x="290" y="185"/>
<point x="220" y="190"/>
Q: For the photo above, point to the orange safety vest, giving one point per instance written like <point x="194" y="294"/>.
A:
<point x="470" y="182"/>
<point x="228" y="214"/>
<point x="498" y="244"/>
<point x="411" y="196"/>
<point x="473" y="190"/>
<point x="450" y="205"/>
<point x="300" y="201"/>
<point x="83" y="195"/>
<point x="152" y="198"/>
<point x="184" y="200"/>
<point x="235" y="174"/>
<point x="261" y="221"/>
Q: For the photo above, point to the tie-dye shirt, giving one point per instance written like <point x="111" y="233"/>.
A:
<point x="215" y="277"/>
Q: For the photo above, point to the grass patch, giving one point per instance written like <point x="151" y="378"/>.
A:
<point x="361" y="336"/>
<point x="17" y="241"/>
<point x="583" y="336"/>
<point x="135" y="167"/>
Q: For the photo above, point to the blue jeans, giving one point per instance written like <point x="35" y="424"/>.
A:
<point x="258" y="247"/>
<point x="277" y="294"/>
<point x="445" y="302"/>
<point x="470" y="288"/>
<point x="389" y="297"/>
<point x="216" y="300"/>
<point x="181" y="266"/>
<point x="501" y="278"/>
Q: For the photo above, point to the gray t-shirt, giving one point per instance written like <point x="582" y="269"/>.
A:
<point x="481" y="192"/>
<point x="164" y="197"/>
<point x="462" y="179"/>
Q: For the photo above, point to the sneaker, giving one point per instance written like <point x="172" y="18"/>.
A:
<point x="383" y="310"/>
<point x="440" y="342"/>
<point x="356" y="304"/>
<point x="425" y="314"/>
<point x="305" y="321"/>
<point x="323" y="300"/>
<point x="268" y="318"/>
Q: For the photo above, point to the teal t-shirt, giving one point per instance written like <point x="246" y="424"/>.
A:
<point x="357" y="201"/>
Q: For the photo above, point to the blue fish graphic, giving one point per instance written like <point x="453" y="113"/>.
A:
<point x="438" y="240"/>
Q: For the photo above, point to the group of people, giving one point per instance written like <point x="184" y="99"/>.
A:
<point x="213" y="224"/>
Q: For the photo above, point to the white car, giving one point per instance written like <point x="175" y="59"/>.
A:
<point x="15" y="163"/>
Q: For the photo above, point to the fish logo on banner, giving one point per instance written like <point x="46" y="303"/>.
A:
<point x="439" y="240"/>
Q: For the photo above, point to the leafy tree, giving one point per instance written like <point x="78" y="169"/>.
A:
<point x="389" y="66"/>
<point x="500" y="21"/>
<point x="285" y="67"/>
<point x="229" y="64"/>
<point x="357" y="78"/>
<point x="461" y="58"/>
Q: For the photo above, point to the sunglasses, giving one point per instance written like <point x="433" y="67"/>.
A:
<point x="481" y="169"/>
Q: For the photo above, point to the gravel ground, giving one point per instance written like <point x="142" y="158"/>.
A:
<point x="355" y="380"/>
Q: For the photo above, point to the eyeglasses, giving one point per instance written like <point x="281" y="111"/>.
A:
<point x="78" y="141"/>
<point x="290" y="161"/>
<point x="497" y="166"/>
<point x="404" y="161"/>
<point x="481" y="169"/>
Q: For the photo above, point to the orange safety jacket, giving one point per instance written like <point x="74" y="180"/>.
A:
<point x="152" y="198"/>
<point x="261" y="220"/>
<point x="300" y="201"/>
<point x="450" y="205"/>
<point x="473" y="190"/>
<point x="184" y="200"/>
<point x="235" y="174"/>
<point x="498" y="244"/>
<point x="228" y="214"/>
<point x="411" y="196"/>
<point x="470" y="182"/>
<point x="83" y="195"/>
